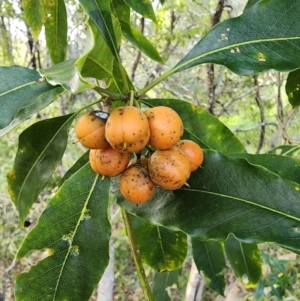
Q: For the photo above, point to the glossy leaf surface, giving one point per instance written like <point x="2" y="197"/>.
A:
<point x="252" y="43"/>
<point x="40" y="149"/>
<point x="168" y="248"/>
<point x="100" y="12"/>
<point x="98" y="60"/>
<point x="56" y="27"/>
<point x="75" y="231"/>
<point x="22" y="93"/>
<point x="245" y="260"/>
<point x="292" y="88"/>
<point x="201" y="126"/>
<point x="209" y="258"/>
<point x="230" y="195"/>
<point x="67" y="75"/>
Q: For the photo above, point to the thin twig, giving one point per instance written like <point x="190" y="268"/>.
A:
<point x="166" y="51"/>
<point x="279" y="98"/>
<point x="255" y="127"/>
<point x="138" y="55"/>
<point x="210" y="69"/>
<point x="262" y="115"/>
<point x="240" y="96"/>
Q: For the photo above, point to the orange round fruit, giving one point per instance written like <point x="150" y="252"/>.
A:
<point x="166" y="127"/>
<point x="108" y="161"/>
<point x="169" y="168"/>
<point x="193" y="151"/>
<point x="136" y="185"/>
<point x="90" y="130"/>
<point x="127" y="129"/>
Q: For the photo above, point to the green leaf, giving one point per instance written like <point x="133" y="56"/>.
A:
<point x="100" y="12"/>
<point x="250" y="3"/>
<point x="116" y="83"/>
<point x="161" y="282"/>
<point x="98" y="60"/>
<point x="40" y="149"/>
<point x="230" y="195"/>
<point x="122" y="10"/>
<point x="78" y="164"/>
<point x="209" y="258"/>
<point x="143" y="7"/>
<point x="286" y="167"/>
<point x="201" y="126"/>
<point x="292" y="88"/>
<point x="135" y="37"/>
<point x="22" y="93"/>
<point x="245" y="260"/>
<point x="67" y="75"/>
<point x="286" y="150"/>
<point x="252" y="43"/>
<point x="56" y="27"/>
<point x="75" y="231"/>
<point x="34" y="15"/>
<point x="168" y="248"/>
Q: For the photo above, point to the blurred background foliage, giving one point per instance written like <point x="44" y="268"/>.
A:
<point x="255" y="108"/>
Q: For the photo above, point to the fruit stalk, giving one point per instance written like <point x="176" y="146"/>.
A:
<point x="107" y="92"/>
<point x="137" y="257"/>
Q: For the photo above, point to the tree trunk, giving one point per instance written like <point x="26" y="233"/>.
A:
<point x="106" y="284"/>
<point x="195" y="286"/>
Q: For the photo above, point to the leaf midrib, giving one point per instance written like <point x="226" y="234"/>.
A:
<point x="109" y="34"/>
<point x="40" y="155"/>
<point x="74" y="233"/>
<point x="161" y="245"/>
<point x="230" y="46"/>
<point x="244" y="258"/>
<point x="17" y="88"/>
<point x="243" y="200"/>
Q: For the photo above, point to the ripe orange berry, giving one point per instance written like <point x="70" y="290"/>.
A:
<point x="108" y="161"/>
<point x="193" y="151"/>
<point x="169" y="168"/>
<point x="136" y="185"/>
<point x="127" y="129"/>
<point x="166" y="127"/>
<point x="90" y="130"/>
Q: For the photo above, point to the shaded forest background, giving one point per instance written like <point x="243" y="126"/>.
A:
<point x="254" y="108"/>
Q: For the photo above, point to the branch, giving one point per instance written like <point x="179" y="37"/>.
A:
<point x="262" y="115"/>
<point x="31" y="48"/>
<point x="252" y="128"/>
<point x="196" y="284"/>
<point x="242" y="95"/>
<point x="138" y="55"/>
<point x="166" y="51"/>
<point x="137" y="257"/>
<point x="279" y="99"/>
<point x="211" y="87"/>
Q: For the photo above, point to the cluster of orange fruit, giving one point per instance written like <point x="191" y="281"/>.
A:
<point x="111" y="139"/>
